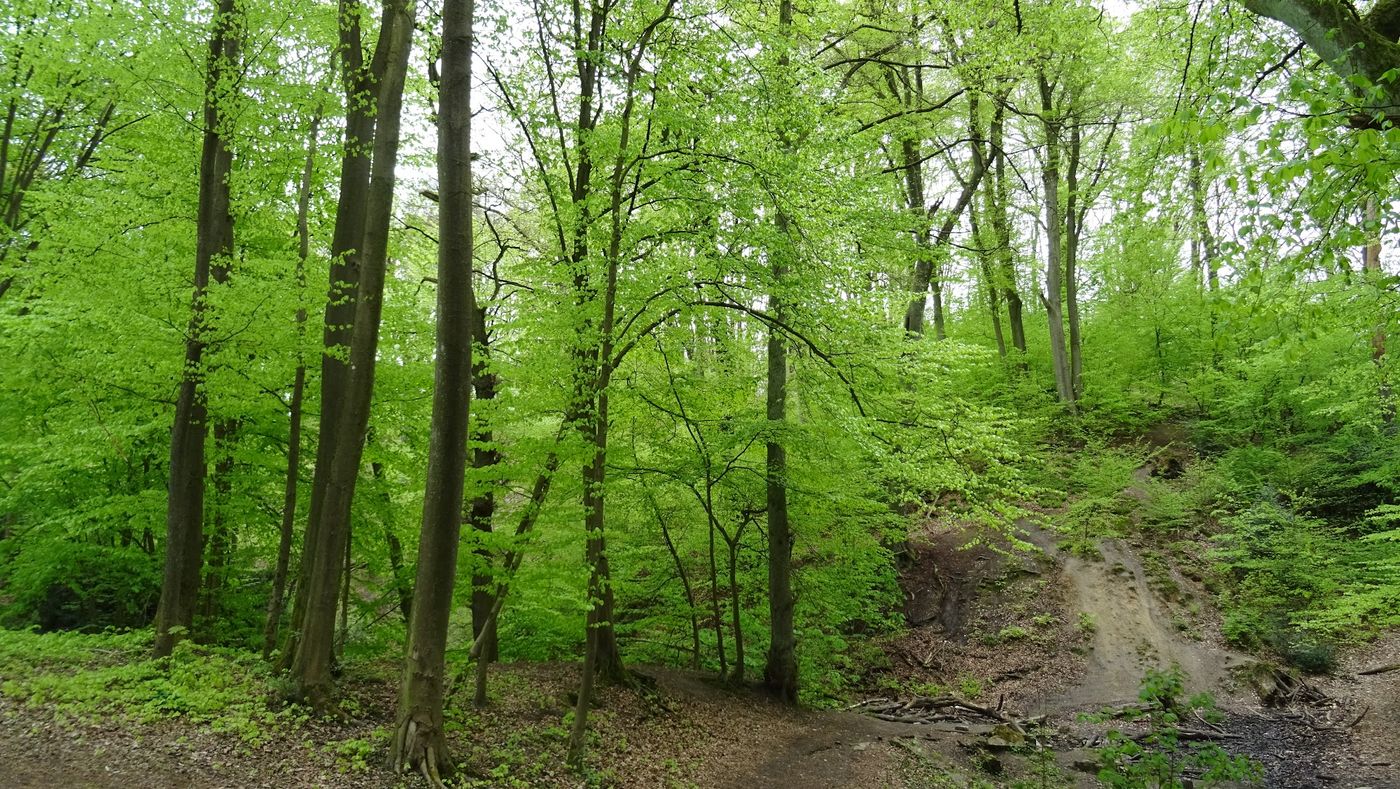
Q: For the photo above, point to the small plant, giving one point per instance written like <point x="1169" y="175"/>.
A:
<point x="1045" y="772"/>
<point x="1160" y="758"/>
<point x="1087" y="625"/>
<point x="352" y="756"/>
<point x="1012" y="633"/>
<point x="927" y="689"/>
<point x="970" y="687"/>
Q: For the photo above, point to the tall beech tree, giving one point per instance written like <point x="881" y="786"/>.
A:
<point x="327" y="540"/>
<point x="420" y="740"/>
<point x="364" y="84"/>
<point x="184" y="520"/>
<point x="780" y="667"/>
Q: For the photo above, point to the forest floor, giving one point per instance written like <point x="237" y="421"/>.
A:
<point x="1022" y="631"/>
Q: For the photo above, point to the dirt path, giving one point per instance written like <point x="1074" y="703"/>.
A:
<point x="1133" y="631"/>
<point x="1299" y="748"/>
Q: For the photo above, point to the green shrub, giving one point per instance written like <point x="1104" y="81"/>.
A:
<point x="63" y="585"/>
<point x="1299" y="585"/>
<point x="1161" y="758"/>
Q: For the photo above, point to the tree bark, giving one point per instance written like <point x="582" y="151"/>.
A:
<point x="1352" y="45"/>
<point x="1372" y="267"/>
<point x="1073" y="233"/>
<point x="989" y="281"/>
<point x="1054" y="230"/>
<point x="928" y="271"/>
<point x="363" y="84"/>
<point x="420" y="743"/>
<point x="482" y="508"/>
<point x="780" y="668"/>
<point x="219" y="542"/>
<point x="184" y="521"/>
<point x="1001" y="228"/>
<point x="311" y="661"/>
<point x="922" y="271"/>
<point x="276" y="598"/>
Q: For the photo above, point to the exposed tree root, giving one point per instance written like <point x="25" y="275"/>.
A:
<point x="421" y="748"/>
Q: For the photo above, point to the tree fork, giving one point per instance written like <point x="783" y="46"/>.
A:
<point x="312" y="658"/>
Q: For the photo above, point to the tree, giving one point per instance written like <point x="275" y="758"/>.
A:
<point x="327" y="543"/>
<point x="184" y="524"/>
<point x="1354" y="46"/>
<point x="420" y="741"/>
<point x="780" y="670"/>
<point x="365" y="86"/>
<point x="1053" y="295"/>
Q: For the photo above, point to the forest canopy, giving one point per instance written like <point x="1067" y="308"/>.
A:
<point x="647" y="332"/>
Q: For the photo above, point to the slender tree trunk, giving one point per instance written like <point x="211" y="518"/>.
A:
<point x="1372" y="266"/>
<point x="989" y="280"/>
<point x="680" y="573"/>
<point x="589" y="410"/>
<point x="220" y="539"/>
<point x="602" y="657"/>
<point x="1203" y="244"/>
<point x="738" y="675"/>
<point x="715" y="614"/>
<point x="482" y="509"/>
<point x="780" y="669"/>
<point x="922" y="271"/>
<point x="1199" y="223"/>
<point x="311" y="661"/>
<point x="394" y="547"/>
<point x="421" y="743"/>
<point x="184" y="520"/>
<point x="1001" y="229"/>
<point x="1054" y="229"/>
<point x="1073" y="231"/>
<point x="276" y="599"/>
<point x="928" y="271"/>
<point x="362" y="84"/>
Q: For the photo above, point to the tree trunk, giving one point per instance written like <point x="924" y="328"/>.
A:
<point x="1372" y="267"/>
<point x="1200" y="227"/>
<point x="922" y="271"/>
<point x="989" y="281"/>
<point x="363" y="84"/>
<point x="1073" y="231"/>
<point x="311" y="662"/>
<point x="1001" y="229"/>
<point x="420" y="743"/>
<point x="219" y="543"/>
<point x="482" y="509"/>
<point x="680" y="573"/>
<point x="602" y="657"/>
<point x="343" y="632"/>
<point x="275" y="600"/>
<point x="780" y="669"/>
<point x="715" y="614"/>
<point x="1054" y="229"/>
<point x="738" y="675"/>
<point x="184" y="521"/>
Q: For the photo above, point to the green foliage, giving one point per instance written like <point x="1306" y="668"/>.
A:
<point x="72" y="585"/>
<point x="110" y="675"/>
<point x="1301" y="585"/>
<point x="1161" y="758"/>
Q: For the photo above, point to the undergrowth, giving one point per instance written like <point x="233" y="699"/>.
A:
<point x="94" y="676"/>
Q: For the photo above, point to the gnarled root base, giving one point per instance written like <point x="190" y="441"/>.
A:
<point x="420" y="747"/>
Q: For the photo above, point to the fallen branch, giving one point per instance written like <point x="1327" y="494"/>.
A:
<point x="1379" y="670"/>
